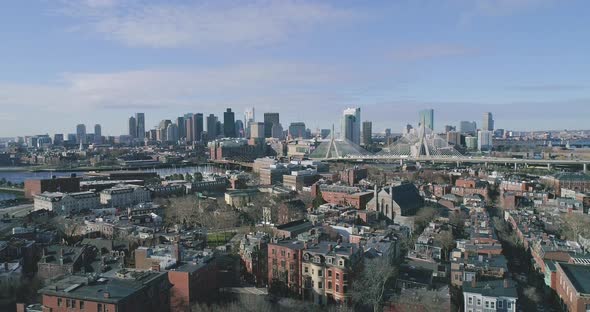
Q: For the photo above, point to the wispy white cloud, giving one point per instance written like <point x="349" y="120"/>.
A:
<point x="238" y="85"/>
<point x="201" y="24"/>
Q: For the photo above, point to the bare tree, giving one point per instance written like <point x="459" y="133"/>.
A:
<point x="576" y="225"/>
<point x="370" y="288"/>
<point x="446" y="241"/>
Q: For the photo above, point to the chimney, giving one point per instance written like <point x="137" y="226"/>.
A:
<point x="376" y="196"/>
<point x="473" y="282"/>
<point x="466" y="255"/>
<point x="330" y="247"/>
<point x="506" y="283"/>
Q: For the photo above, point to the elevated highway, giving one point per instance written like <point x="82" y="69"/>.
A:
<point x="582" y="164"/>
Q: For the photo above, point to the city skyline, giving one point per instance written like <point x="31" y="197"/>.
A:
<point x="472" y="57"/>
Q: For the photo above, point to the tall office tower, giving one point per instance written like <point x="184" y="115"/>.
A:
<point x="488" y="122"/>
<point x="97" y="130"/>
<point x="162" y="130"/>
<point x="132" y="127"/>
<point x="484" y="140"/>
<point x="297" y="130"/>
<point x="257" y="130"/>
<point x="219" y="128"/>
<point x="189" y="127"/>
<point x="325" y="133"/>
<point x="140" y="120"/>
<point x="58" y="139"/>
<point x="387" y="133"/>
<point x="81" y="133"/>
<point x="249" y="117"/>
<point x="351" y="125"/>
<point x="172" y="133"/>
<point x="181" y="127"/>
<point x="468" y="127"/>
<point x="367" y="133"/>
<point x="427" y="118"/>
<point x="229" y="124"/>
<point x="239" y="128"/>
<point x="211" y="127"/>
<point x="197" y="127"/>
<point x="97" y="134"/>
<point x="270" y="119"/>
<point x="277" y="131"/>
<point x="449" y="128"/>
<point x="455" y="138"/>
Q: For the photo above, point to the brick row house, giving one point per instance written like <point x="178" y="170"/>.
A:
<point x="321" y="272"/>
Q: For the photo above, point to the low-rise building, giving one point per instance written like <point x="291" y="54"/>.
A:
<point x="495" y="295"/>
<point x="125" y="196"/>
<point x="573" y="286"/>
<point x="132" y="291"/>
<point x="66" y="203"/>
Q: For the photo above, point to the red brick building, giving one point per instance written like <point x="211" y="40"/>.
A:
<point x="65" y="185"/>
<point x="284" y="266"/>
<point x="353" y="176"/>
<point x="573" y="286"/>
<point x="342" y="195"/>
<point x="128" y="292"/>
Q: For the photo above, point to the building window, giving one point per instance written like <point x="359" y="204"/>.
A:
<point x="81" y="305"/>
<point x="478" y="302"/>
<point x="492" y="305"/>
<point x="282" y="253"/>
<point x="274" y="251"/>
<point x="320" y="285"/>
<point x="329" y="273"/>
<point x="74" y="304"/>
<point x="345" y="277"/>
<point x="320" y="273"/>
<point x="99" y="308"/>
<point x="337" y="276"/>
<point x="329" y="285"/>
<point x="500" y="304"/>
<point x="306" y="269"/>
<point x="470" y="300"/>
<point x="344" y="289"/>
<point x="487" y="304"/>
<point x="337" y="288"/>
<point x="59" y="302"/>
<point x="283" y="264"/>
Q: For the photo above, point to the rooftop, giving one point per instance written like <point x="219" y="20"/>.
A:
<point x="579" y="275"/>
<point x="111" y="290"/>
<point x="492" y="289"/>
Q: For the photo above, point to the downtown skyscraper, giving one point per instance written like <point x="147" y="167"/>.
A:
<point x="229" y="124"/>
<point x="426" y="118"/>
<point x="351" y="125"/>
<point x="488" y="122"/>
<point x="140" y="120"/>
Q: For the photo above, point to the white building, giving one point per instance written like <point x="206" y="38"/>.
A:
<point x="498" y="295"/>
<point x="125" y="196"/>
<point x="484" y="140"/>
<point x="66" y="203"/>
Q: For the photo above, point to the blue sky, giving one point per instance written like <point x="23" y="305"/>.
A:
<point x="99" y="61"/>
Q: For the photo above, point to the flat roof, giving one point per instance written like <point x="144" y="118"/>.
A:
<point x="579" y="275"/>
<point x="118" y="289"/>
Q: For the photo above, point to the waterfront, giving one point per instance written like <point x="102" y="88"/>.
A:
<point x="15" y="176"/>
